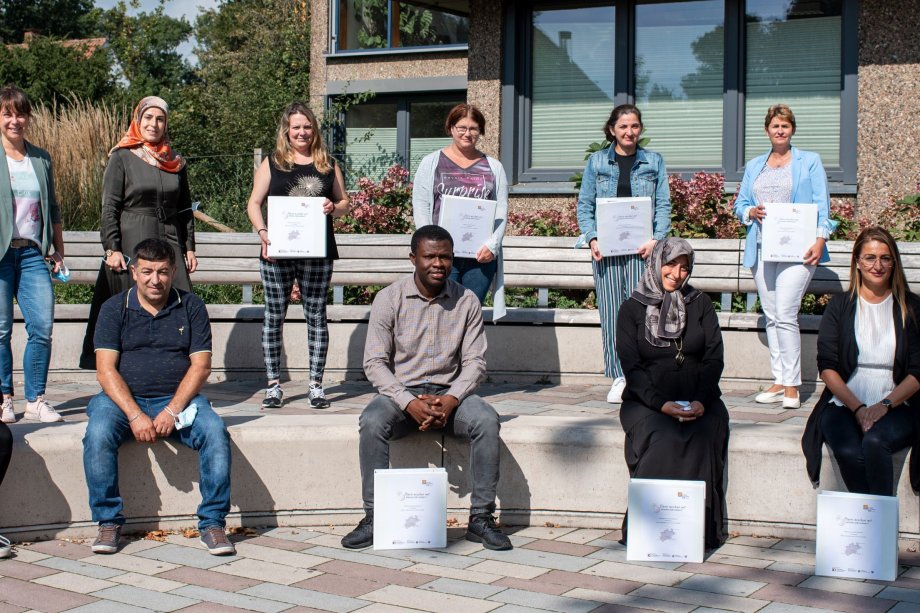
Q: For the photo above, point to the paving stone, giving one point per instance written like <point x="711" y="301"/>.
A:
<point x="722" y="558"/>
<point x="843" y="586"/>
<point x="183" y="556"/>
<point x="131" y="564"/>
<point x="544" y="532"/>
<point x="281" y="556"/>
<point x="376" y="573"/>
<point x="581" y="536"/>
<point x="230" y="599"/>
<point x="619" y="555"/>
<point x="61" y="549"/>
<point x="265" y="571"/>
<point x="208" y="578"/>
<point x="698" y="598"/>
<point x="547" y="602"/>
<point x="300" y="596"/>
<point x="22" y="554"/>
<point x="301" y="535"/>
<point x="721" y="585"/>
<point x="428" y="556"/>
<point x="590" y="582"/>
<point x="360" y="557"/>
<point x="379" y="607"/>
<point x="156" y="584"/>
<point x="212" y="607"/>
<point x="757" y="575"/>
<point x="900" y="593"/>
<point x="792" y="567"/>
<point x="11" y="608"/>
<point x="795" y="545"/>
<point x="20" y="570"/>
<point x="337" y="584"/>
<point x="73" y="583"/>
<point x="462" y="588"/>
<point x="776" y="555"/>
<point x="637" y="603"/>
<point x="642" y="574"/>
<point x="514" y="608"/>
<point x="145" y="598"/>
<point x="779" y="607"/>
<point x="463" y="574"/>
<point x="277" y="543"/>
<point x="108" y="606"/>
<point x="508" y="569"/>
<point x="903" y="607"/>
<point x="571" y="549"/>
<point x="819" y="598"/>
<point x="425" y="600"/>
<point x="532" y="585"/>
<point x="51" y="600"/>
<point x="754" y="541"/>
<point x="80" y="568"/>
<point x="139" y="545"/>
<point x="539" y="559"/>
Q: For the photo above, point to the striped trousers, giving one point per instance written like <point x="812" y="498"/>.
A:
<point x="278" y="278"/>
<point x="615" y="278"/>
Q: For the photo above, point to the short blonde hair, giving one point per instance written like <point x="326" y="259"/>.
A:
<point x="783" y="112"/>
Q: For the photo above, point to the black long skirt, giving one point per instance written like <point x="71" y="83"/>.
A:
<point x="659" y="447"/>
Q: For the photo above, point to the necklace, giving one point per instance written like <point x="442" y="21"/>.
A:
<point x="679" y="358"/>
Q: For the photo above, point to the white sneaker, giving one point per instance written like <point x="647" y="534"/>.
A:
<point x="615" y="395"/>
<point x="42" y="411"/>
<point x="5" y="548"/>
<point x="769" y="397"/>
<point x="8" y="415"/>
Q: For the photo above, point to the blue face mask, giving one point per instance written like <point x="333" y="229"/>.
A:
<point x="187" y="417"/>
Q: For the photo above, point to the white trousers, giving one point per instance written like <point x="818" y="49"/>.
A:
<point x="781" y="286"/>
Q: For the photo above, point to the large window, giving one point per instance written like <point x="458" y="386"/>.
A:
<point x="703" y="72"/>
<point x="393" y="130"/>
<point x="365" y="25"/>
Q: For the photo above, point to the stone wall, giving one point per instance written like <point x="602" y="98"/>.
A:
<point x="889" y="102"/>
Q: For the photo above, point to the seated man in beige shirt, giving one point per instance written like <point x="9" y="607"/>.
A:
<point x="425" y="355"/>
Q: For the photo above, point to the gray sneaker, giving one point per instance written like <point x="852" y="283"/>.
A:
<point x="273" y="397"/>
<point x="215" y="539"/>
<point x="107" y="540"/>
<point x="318" y="397"/>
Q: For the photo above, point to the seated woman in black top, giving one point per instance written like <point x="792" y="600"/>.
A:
<point x="670" y="346"/>
<point x="869" y="360"/>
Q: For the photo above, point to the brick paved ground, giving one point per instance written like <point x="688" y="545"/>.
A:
<point x="550" y="569"/>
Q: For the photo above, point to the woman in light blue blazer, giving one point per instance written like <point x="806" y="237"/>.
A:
<point x="783" y="175"/>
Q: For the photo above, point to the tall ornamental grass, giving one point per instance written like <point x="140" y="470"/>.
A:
<point x="78" y="135"/>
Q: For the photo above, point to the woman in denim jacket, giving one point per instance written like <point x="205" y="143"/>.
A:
<point x="785" y="175"/>
<point x="624" y="170"/>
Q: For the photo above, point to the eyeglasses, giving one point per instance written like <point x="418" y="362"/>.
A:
<point x="871" y="260"/>
<point x="464" y="130"/>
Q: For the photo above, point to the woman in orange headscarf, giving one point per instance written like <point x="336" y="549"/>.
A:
<point x="144" y="195"/>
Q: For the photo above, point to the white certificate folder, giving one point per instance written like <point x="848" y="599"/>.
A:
<point x="296" y="227"/>
<point x="410" y="508"/>
<point x="623" y="225"/>
<point x="666" y="520"/>
<point x="788" y="231"/>
<point x="857" y="536"/>
<point x="470" y="222"/>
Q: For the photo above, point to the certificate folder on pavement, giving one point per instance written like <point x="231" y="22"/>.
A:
<point x="666" y="520"/>
<point x="296" y="227"/>
<point x="857" y="536"/>
<point x="623" y="225"/>
<point x="410" y="508"/>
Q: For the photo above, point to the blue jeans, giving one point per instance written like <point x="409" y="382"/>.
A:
<point x="474" y="276"/>
<point x="23" y="274"/>
<point x="108" y="428"/>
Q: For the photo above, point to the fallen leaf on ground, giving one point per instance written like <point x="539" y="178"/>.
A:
<point x="191" y="533"/>
<point x="156" y="535"/>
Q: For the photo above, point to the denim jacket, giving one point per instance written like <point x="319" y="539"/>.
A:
<point x="647" y="178"/>
<point x="809" y="186"/>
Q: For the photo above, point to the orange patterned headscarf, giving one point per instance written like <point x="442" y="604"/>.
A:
<point x="160" y="154"/>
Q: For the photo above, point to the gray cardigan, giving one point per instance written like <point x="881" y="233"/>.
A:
<point x="51" y="211"/>
<point x="423" y="203"/>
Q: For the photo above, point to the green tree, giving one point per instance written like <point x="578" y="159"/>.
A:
<point x="58" y="18"/>
<point x="144" y="46"/>
<point x="48" y="71"/>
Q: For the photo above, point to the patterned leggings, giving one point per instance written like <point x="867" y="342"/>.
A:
<point x="278" y="278"/>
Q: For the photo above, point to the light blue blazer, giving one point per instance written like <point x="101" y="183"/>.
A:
<point x="809" y="186"/>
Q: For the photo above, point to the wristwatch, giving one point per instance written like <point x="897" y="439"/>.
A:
<point x="886" y="403"/>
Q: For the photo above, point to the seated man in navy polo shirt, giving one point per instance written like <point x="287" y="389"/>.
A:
<point x="153" y="354"/>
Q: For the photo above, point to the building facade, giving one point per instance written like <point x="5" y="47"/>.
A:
<point x="547" y="74"/>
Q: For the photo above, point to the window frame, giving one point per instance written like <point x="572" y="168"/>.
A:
<point x="335" y="17"/>
<point x="517" y="89"/>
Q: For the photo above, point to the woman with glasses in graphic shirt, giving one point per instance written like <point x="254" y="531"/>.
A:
<point x="460" y="169"/>
<point x="869" y="360"/>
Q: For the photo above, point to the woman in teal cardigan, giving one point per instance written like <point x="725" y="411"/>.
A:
<point x="30" y="224"/>
<point x="784" y="175"/>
